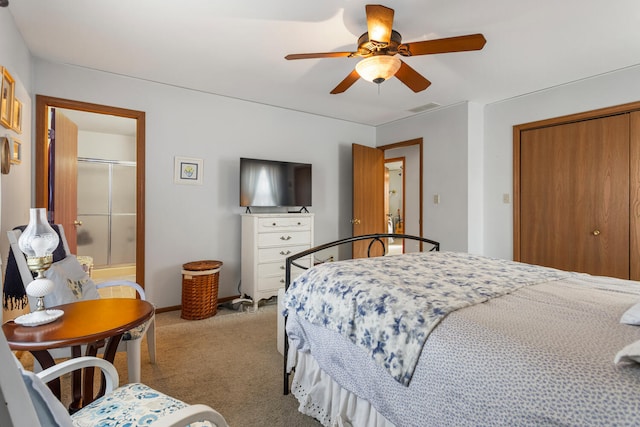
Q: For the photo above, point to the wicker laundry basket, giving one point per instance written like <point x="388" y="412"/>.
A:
<point x="200" y="289"/>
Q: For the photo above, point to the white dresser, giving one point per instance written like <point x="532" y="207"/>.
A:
<point x="267" y="240"/>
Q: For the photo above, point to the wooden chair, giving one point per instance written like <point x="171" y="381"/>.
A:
<point x="25" y="400"/>
<point x="131" y="342"/>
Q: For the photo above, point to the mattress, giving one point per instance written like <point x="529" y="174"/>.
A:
<point x="540" y="354"/>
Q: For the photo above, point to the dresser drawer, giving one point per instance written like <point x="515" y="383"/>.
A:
<point x="284" y="238"/>
<point x="279" y="254"/>
<point x="278" y="269"/>
<point x="284" y="223"/>
<point x="269" y="283"/>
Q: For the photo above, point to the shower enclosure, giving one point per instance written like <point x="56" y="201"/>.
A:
<point x="107" y="211"/>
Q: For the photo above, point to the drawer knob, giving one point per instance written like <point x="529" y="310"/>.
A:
<point x="299" y="223"/>
<point x="285" y="253"/>
<point x="282" y="267"/>
<point x="274" y="224"/>
<point x="285" y="237"/>
<point x="281" y="280"/>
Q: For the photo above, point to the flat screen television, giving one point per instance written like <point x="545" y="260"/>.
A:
<point x="271" y="183"/>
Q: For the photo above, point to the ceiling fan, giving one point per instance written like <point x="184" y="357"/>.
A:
<point x="380" y="45"/>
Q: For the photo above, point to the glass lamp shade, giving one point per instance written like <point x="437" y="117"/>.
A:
<point x="379" y="68"/>
<point x="39" y="239"/>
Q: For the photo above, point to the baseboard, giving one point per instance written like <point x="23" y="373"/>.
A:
<point x="179" y="307"/>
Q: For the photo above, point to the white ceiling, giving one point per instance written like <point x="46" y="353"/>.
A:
<point x="236" y="48"/>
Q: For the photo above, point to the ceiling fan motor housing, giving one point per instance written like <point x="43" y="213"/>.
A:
<point x="368" y="47"/>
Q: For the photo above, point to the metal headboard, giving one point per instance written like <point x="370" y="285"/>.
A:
<point x="375" y="238"/>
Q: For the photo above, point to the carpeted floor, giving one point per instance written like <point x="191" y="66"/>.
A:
<point x="229" y="362"/>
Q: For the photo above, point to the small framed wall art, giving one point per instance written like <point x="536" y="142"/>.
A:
<point x="16" y="151"/>
<point x="187" y="170"/>
<point x="16" y="120"/>
<point x="6" y="99"/>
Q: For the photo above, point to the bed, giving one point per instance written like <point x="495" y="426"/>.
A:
<point x="452" y="339"/>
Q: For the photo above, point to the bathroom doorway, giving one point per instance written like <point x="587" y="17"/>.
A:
<point x="394" y="202"/>
<point x="103" y="222"/>
<point x="411" y="212"/>
<point x="106" y="192"/>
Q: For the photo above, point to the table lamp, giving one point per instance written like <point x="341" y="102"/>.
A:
<point x="38" y="241"/>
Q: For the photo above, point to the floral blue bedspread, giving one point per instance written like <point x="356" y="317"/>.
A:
<point x="389" y="305"/>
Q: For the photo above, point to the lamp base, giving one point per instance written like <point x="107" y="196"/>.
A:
<point x="37" y="318"/>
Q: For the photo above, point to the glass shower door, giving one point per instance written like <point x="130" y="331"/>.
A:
<point x="107" y="210"/>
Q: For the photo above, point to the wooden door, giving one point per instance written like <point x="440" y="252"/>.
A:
<point x="64" y="175"/>
<point x="368" y="197"/>
<point x="574" y="196"/>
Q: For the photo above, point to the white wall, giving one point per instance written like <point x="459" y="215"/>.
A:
<point x="468" y="157"/>
<point x="445" y="170"/>
<point x="475" y="178"/>
<point x="106" y="146"/>
<point x="499" y="118"/>
<point x="15" y="188"/>
<point x="467" y="160"/>
<point x="187" y="223"/>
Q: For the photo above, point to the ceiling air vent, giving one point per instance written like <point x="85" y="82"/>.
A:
<point x="424" y="107"/>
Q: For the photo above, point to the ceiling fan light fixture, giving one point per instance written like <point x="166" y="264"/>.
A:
<point x="378" y="68"/>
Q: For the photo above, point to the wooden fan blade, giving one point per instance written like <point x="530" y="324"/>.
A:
<point x="379" y="22"/>
<point x="411" y="78"/>
<point x="346" y="83"/>
<point x="318" y="55"/>
<point x="451" y="44"/>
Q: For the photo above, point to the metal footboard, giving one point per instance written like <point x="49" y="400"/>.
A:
<point x="375" y="239"/>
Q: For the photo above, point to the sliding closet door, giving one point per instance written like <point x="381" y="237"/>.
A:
<point x="574" y="196"/>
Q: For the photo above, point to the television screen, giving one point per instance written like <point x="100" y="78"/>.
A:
<point x="270" y="183"/>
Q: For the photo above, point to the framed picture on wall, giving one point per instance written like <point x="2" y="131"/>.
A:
<point x="187" y="171"/>
<point x="16" y="151"/>
<point x="6" y="99"/>
<point x="16" y="121"/>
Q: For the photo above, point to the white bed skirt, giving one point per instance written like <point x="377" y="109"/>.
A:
<point x="322" y="398"/>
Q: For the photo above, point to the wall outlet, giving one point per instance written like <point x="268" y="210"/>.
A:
<point x="506" y="198"/>
<point x="436" y="199"/>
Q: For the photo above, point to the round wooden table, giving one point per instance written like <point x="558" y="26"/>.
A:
<point x="92" y="323"/>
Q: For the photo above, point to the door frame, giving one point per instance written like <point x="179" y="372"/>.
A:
<point x="401" y="160"/>
<point x="410" y="143"/>
<point x="634" y="171"/>
<point x="43" y="103"/>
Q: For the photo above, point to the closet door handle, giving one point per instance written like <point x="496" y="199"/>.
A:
<point x="596" y="232"/>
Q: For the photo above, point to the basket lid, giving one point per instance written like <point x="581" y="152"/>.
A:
<point x="201" y="265"/>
